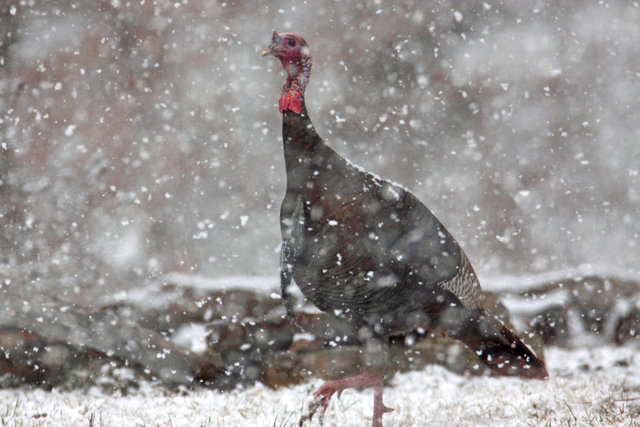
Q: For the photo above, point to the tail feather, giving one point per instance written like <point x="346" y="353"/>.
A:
<point x="497" y="346"/>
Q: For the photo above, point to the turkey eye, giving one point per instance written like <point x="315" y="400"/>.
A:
<point x="292" y="42"/>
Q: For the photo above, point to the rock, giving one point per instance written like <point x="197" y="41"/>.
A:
<point x="627" y="326"/>
<point x="551" y="324"/>
<point x="569" y="308"/>
<point x="20" y="351"/>
<point x="43" y="340"/>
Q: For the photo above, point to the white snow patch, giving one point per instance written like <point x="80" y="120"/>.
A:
<point x="264" y="284"/>
<point x="531" y="306"/>
<point x="70" y="130"/>
<point x="192" y="336"/>
<point x="154" y="294"/>
<point x="303" y="336"/>
<point x="527" y="282"/>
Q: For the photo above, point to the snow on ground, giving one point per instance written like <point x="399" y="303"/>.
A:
<point x="595" y="386"/>
<point x="502" y="283"/>
<point x="519" y="283"/>
<point x="250" y="283"/>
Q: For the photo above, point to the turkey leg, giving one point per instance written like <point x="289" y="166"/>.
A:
<point x="370" y="377"/>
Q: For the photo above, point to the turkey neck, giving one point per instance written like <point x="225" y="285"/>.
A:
<point x="301" y="142"/>
<point x="304" y="150"/>
<point x="298" y="73"/>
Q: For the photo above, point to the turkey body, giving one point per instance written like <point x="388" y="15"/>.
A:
<point x="361" y="247"/>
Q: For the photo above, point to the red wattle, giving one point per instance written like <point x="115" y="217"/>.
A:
<point x="290" y="102"/>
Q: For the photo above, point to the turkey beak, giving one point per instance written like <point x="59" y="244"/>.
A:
<point x="271" y="49"/>
<point x="275" y="38"/>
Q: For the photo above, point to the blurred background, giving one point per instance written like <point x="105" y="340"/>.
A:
<point x="142" y="137"/>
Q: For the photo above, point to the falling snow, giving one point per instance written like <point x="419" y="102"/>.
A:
<point x="142" y="139"/>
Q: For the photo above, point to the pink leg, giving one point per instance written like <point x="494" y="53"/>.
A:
<point x="378" y="406"/>
<point x="368" y="378"/>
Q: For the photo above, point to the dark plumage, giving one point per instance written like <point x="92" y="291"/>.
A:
<point x="371" y="253"/>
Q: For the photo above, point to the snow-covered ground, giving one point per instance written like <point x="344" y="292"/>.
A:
<point x="596" y="386"/>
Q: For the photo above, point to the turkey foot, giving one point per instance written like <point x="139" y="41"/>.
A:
<point x="368" y="378"/>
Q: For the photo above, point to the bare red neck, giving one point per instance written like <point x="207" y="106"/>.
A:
<point x="293" y="90"/>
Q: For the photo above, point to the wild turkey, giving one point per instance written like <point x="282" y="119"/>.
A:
<point x="369" y="252"/>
